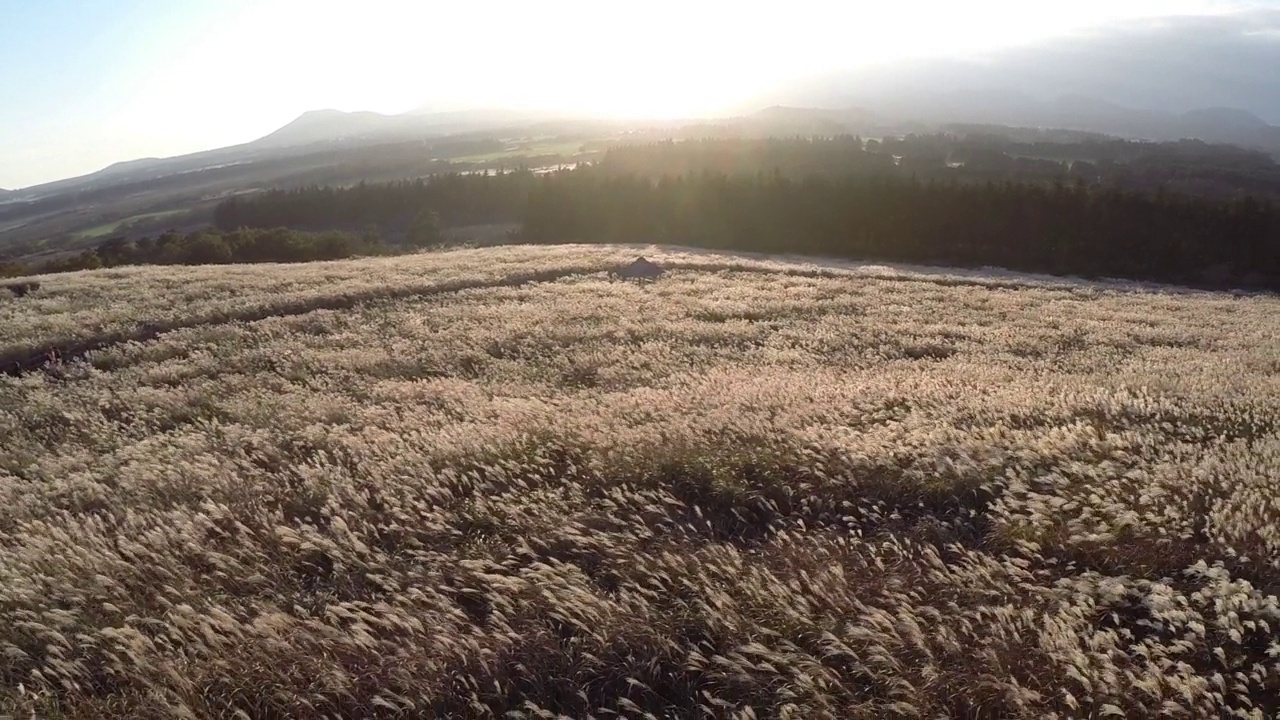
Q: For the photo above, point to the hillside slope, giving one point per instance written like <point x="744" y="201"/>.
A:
<point x="493" y="483"/>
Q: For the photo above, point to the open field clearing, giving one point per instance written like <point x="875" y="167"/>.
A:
<point x="492" y="483"/>
<point x="534" y="148"/>
<point x="116" y="225"/>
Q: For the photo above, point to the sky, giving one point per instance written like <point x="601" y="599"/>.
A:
<point x="85" y="83"/>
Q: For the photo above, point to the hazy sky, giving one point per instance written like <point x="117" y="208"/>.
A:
<point x="84" y="83"/>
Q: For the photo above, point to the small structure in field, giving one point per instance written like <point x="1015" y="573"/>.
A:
<point x="640" y="269"/>
<point x="21" y="289"/>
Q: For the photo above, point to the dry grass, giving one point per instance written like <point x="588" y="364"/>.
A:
<point x="415" y="488"/>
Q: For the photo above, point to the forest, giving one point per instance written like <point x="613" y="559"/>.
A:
<point x="976" y="154"/>
<point x="1062" y="229"/>
<point x="211" y="247"/>
<point x="458" y="199"/>
<point x="979" y="156"/>
<point x="842" y="196"/>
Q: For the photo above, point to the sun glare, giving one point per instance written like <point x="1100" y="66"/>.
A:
<point x="662" y="59"/>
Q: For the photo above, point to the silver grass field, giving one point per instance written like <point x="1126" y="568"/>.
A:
<point x="492" y="483"/>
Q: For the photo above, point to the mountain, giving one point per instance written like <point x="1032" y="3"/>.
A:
<point x="1197" y="76"/>
<point x="132" y="171"/>
<point x="126" y="167"/>
<point x="327" y="126"/>
<point x="823" y="109"/>
<point x="318" y="147"/>
<point x="831" y="108"/>
<point x="311" y="132"/>
<point x="939" y="101"/>
<point x="1235" y="118"/>
<point x="1230" y="125"/>
<point x="336" y="126"/>
<point x="335" y="147"/>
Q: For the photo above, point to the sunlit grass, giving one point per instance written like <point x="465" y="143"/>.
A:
<point x="410" y="487"/>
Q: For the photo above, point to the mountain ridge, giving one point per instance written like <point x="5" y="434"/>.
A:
<point x="324" y="125"/>
<point x="826" y="113"/>
<point x="330" y="125"/>
<point x="1075" y="112"/>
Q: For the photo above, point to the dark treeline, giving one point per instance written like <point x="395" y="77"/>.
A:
<point x="214" y="247"/>
<point x="972" y="154"/>
<point x="456" y="199"/>
<point x="392" y="209"/>
<point x="1189" y="166"/>
<point x="1187" y="152"/>
<point x="1064" y="229"/>
<point x="929" y="199"/>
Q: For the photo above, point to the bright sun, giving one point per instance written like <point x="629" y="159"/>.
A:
<point x="655" y="59"/>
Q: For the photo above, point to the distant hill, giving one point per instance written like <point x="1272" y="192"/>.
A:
<point x="332" y="146"/>
<point x="327" y="126"/>
<point x="1230" y="125"/>
<point x="1064" y="116"/>
<point x="295" y="139"/>
<point x="944" y="91"/>
<point x="1090" y="114"/>
<point x="1026" y="135"/>
<point x="830" y="113"/>
<point x="1235" y="118"/>
<point x="330" y="126"/>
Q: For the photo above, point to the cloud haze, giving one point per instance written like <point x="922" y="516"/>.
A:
<point x="1170" y="64"/>
<point x="82" y="85"/>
